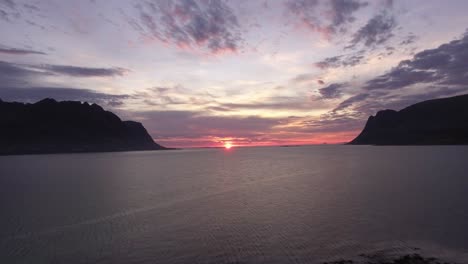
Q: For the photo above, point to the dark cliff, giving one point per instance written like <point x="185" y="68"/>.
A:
<point x="433" y="122"/>
<point x="49" y="126"/>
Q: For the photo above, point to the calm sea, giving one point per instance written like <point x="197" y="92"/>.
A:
<point x="244" y="205"/>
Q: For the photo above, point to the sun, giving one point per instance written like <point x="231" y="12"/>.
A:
<point x="227" y="145"/>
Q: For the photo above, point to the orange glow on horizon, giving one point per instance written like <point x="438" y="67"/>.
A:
<point x="274" y="139"/>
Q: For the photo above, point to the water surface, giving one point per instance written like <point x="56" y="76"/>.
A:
<point x="244" y="205"/>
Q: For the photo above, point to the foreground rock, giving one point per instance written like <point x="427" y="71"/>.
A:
<point x="406" y="259"/>
<point x="49" y="126"/>
<point x="434" y="122"/>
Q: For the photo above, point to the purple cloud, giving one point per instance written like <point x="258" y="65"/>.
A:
<point x="9" y="10"/>
<point x="340" y="61"/>
<point x="431" y="73"/>
<point x="8" y="3"/>
<point x="340" y="13"/>
<point x="25" y="75"/>
<point x="332" y="91"/>
<point x="378" y="30"/>
<point x="187" y="23"/>
<point x="350" y="101"/>
<point x="13" y="75"/>
<point x="198" y="124"/>
<point x="446" y="65"/>
<point x="14" y="51"/>
<point x="82" y="71"/>
<point x="410" y="39"/>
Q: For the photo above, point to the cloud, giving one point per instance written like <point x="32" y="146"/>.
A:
<point x="15" y="74"/>
<point x="3" y="15"/>
<point x="82" y="71"/>
<point x="340" y="61"/>
<point x="331" y="123"/>
<point x="350" y="101"/>
<point x="410" y="39"/>
<point x="198" y="124"/>
<point x="400" y="77"/>
<point x="22" y="82"/>
<point x="194" y="24"/>
<point x="31" y="8"/>
<point x="432" y="73"/>
<point x="12" y="74"/>
<point x="379" y="101"/>
<point x="339" y="13"/>
<point x="195" y="128"/>
<point x="271" y="103"/>
<point x="9" y="10"/>
<point x="332" y="91"/>
<point x="15" y="51"/>
<point x="342" y="11"/>
<point x="305" y="77"/>
<point x="8" y="3"/>
<point x="167" y="96"/>
<point x="378" y="30"/>
<point x="33" y="94"/>
<point x="445" y="65"/>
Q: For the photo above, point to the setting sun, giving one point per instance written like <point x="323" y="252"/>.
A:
<point x="227" y="145"/>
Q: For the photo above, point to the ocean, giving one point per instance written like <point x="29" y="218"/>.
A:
<point x="307" y="204"/>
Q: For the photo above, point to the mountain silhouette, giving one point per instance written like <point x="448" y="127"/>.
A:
<point x="433" y="122"/>
<point x="49" y="126"/>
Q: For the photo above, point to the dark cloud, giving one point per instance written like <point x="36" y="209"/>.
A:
<point x="340" y="61"/>
<point x="187" y="23"/>
<point x="410" y="39"/>
<point x="20" y="82"/>
<point x="332" y="91"/>
<point x="342" y="11"/>
<point x="330" y="62"/>
<point x="12" y="11"/>
<point x="12" y="74"/>
<point x="445" y="65"/>
<point x="378" y="30"/>
<point x="3" y="15"/>
<point x="15" y="74"/>
<point x="388" y="3"/>
<point x="33" y="94"/>
<point x="339" y="13"/>
<point x="432" y="73"/>
<point x="8" y="3"/>
<point x="332" y="123"/>
<point x="378" y="101"/>
<point x="82" y="71"/>
<point x="400" y="77"/>
<point x="9" y="10"/>
<point x="31" y="8"/>
<point x="352" y="113"/>
<point x="350" y="101"/>
<point x="14" y="51"/>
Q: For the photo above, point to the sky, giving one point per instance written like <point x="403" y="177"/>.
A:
<point x="200" y="73"/>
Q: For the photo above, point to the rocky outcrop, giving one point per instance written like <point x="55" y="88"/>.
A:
<point x="49" y="126"/>
<point x="433" y="122"/>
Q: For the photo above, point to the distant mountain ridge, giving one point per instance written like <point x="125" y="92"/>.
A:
<point x="49" y="126"/>
<point x="433" y="122"/>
